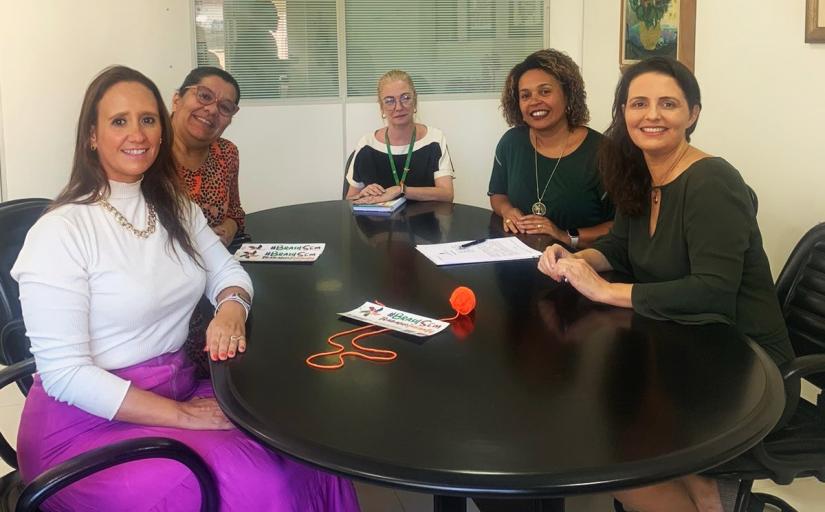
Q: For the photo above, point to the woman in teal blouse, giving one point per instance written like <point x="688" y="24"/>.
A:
<point x="686" y="232"/>
<point x="544" y="178"/>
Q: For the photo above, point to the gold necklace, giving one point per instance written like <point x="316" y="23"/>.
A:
<point x="151" y="219"/>
<point x="538" y="207"/>
<point x="656" y="190"/>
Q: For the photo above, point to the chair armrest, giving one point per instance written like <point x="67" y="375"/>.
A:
<point x="803" y="366"/>
<point x="86" y="464"/>
<point x="16" y="371"/>
<point x="792" y="374"/>
<point x="9" y="375"/>
<point x="785" y="467"/>
<point x="14" y="346"/>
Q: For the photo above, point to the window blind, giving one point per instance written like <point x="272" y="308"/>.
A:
<point x="447" y="46"/>
<point x="274" y="48"/>
<point x="289" y="48"/>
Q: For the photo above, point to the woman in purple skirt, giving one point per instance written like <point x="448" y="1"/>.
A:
<point x="109" y="277"/>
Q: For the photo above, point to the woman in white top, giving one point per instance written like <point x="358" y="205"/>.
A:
<point x="109" y="277"/>
<point x="404" y="157"/>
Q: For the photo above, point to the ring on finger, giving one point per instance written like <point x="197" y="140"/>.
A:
<point x="237" y="338"/>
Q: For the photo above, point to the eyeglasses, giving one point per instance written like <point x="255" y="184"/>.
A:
<point x="390" y="101"/>
<point x="206" y="96"/>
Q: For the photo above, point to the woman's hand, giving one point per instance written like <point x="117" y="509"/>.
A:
<point x="226" y="334"/>
<point x="226" y="230"/>
<point x="583" y="278"/>
<point x="371" y="190"/>
<point x="510" y="220"/>
<point x="202" y="414"/>
<point x="147" y="408"/>
<point x="539" y="225"/>
<point x="548" y="260"/>
<point x="388" y="195"/>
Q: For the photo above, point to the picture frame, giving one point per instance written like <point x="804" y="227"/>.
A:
<point x="658" y="27"/>
<point x="815" y="21"/>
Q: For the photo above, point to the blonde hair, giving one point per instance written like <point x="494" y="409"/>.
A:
<point x="394" y="75"/>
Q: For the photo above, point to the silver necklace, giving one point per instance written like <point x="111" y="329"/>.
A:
<point x="538" y="207"/>
<point x="151" y="219"/>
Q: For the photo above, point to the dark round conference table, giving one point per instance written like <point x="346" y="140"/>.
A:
<point x="538" y="393"/>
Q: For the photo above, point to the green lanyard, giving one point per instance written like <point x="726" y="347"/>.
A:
<point x="392" y="160"/>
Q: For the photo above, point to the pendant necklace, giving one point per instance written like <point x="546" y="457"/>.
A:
<point x="656" y="190"/>
<point x="392" y="160"/>
<point x="539" y="207"/>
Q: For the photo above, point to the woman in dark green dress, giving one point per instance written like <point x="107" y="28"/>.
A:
<point x="686" y="232"/>
<point x="544" y="178"/>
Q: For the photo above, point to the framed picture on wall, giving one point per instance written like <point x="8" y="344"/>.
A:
<point x="658" y="28"/>
<point x="815" y="21"/>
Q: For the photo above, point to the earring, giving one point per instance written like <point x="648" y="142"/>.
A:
<point x="383" y="116"/>
<point x="93" y="146"/>
<point x="160" y="141"/>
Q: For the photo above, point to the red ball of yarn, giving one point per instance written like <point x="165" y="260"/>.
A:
<point x="463" y="300"/>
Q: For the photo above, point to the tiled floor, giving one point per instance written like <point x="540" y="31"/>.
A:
<point x="807" y="495"/>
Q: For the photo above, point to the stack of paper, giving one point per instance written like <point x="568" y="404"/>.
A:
<point x="491" y="249"/>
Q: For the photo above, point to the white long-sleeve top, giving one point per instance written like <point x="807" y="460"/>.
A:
<point x="95" y="297"/>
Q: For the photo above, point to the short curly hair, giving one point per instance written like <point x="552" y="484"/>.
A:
<point x="562" y="68"/>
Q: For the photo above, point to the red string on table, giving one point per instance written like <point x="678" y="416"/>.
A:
<point x="462" y="300"/>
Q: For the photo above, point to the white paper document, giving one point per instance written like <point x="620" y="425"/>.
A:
<point x="492" y="249"/>
<point x="397" y="320"/>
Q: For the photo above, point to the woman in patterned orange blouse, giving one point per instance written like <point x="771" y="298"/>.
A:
<point x="208" y="165"/>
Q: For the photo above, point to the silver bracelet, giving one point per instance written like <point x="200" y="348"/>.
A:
<point x="235" y="297"/>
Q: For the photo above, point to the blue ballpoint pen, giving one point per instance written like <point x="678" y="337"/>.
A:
<point x="470" y="244"/>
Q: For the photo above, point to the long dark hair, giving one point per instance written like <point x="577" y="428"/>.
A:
<point x="561" y="67"/>
<point x="622" y="165"/>
<point x="160" y="186"/>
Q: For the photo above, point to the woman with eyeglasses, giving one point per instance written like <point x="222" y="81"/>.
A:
<point x="208" y="168"/>
<point x="207" y="164"/>
<point x="403" y="157"/>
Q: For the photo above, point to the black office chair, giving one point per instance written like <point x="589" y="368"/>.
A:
<point x="16" y="218"/>
<point x="754" y="199"/>
<point x="796" y="447"/>
<point x="346" y="184"/>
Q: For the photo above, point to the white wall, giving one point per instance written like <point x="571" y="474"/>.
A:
<point x="763" y="93"/>
<point x="49" y="52"/>
<point x="762" y="85"/>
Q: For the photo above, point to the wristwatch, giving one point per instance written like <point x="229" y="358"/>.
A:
<point x="573" y="233"/>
